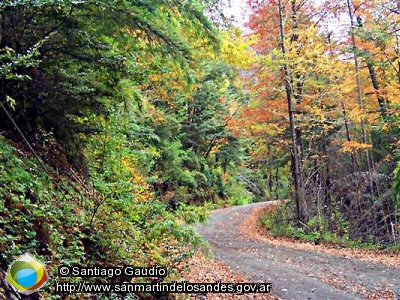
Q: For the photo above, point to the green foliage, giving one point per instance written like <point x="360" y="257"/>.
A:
<point x="395" y="247"/>
<point x="62" y="223"/>
<point x="280" y="222"/>
<point x="35" y="211"/>
<point x="128" y="115"/>
<point x="300" y="233"/>
<point x="277" y="220"/>
<point x="63" y="74"/>
<point x="396" y="186"/>
<point x="238" y="194"/>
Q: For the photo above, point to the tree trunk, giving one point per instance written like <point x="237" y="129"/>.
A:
<point x="368" y="157"/>
<point x="359" y="94"/>
<point x="374" y="80"/>
<point x="296" y="160"/>
<point x="346" y="124"/>
<point x="375" y="84"/>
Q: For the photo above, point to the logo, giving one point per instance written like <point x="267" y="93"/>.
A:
<point x="27" y="274"/>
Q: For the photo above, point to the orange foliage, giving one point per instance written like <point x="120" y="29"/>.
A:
<point x="141" y="190"/>
<point x="353" y="146"/>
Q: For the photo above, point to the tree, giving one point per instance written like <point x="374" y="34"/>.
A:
<point x="302" y="83"/>
<point x="82" y="66"/>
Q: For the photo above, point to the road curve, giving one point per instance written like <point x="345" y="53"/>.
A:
<point x="295" y="274"/>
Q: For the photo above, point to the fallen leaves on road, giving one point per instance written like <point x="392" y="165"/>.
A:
<point x="206" y="270"/>
<point x="251" y="228"/>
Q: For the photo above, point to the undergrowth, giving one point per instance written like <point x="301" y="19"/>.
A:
<point x="281" y="222"/>
<point x="61" y="220"/>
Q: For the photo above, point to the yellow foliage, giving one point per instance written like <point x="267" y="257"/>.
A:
<point x="355" y="114"/>
<point x="142" y="190"/>
<point x="354" y="146"/>
<point x="235" y="49"/>
<point x="393" y="92"/>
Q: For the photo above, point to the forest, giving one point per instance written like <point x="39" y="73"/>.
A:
<point x="122" y="123"/>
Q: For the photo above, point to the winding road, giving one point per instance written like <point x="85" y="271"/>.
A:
<point x="295" y="274"/>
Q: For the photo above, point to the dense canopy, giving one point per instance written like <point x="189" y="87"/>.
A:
<point x="123" y="122"/>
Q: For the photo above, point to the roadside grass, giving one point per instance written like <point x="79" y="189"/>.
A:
<point x="280" y="221"/>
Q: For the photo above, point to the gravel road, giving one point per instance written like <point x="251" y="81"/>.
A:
<point x="295" y="274"/>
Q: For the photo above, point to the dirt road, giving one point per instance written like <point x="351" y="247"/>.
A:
<point x="294" y="273"/>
